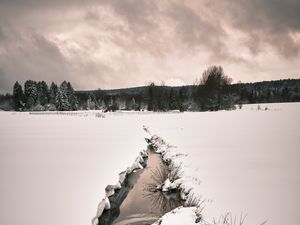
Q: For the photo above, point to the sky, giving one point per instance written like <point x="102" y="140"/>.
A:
<point x="124" y="43"/>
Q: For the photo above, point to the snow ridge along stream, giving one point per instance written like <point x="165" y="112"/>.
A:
<point x="180" y="179"/>
<point x="141" y="195"/>
<point x="124" y="202"/>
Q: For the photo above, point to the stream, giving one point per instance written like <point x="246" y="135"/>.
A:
<point x="137" y="202"/>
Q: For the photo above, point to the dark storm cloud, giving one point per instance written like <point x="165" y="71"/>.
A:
<point x="272" y="22"/>
<point x="193" y="29"/>
<point x="147" y="23"/>
<point x="140" y="29"/>
<point x="136" y="13"/>
<point x="29" y="56"/>
<point x="275" y="15"/>
<point x="42" y="4"/>
<point x="198" y="33"/>
<point x="103" y="43"/>
<point x="2" y="36"/>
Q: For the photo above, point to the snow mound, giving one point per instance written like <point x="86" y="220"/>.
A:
<point x="181" y="177"/>
<point x="105" y="203"/>
<point x="180" y="215"/>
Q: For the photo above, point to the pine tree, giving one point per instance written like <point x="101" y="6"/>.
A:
<point x="43" y="93"/>
<point x="65" y="97"/>
<point x="31" y="93"/>
<point x="18" y="97"/>
<point x="151" y="97"/>
<point x="183" y="98"/>
<point x="62" y="100"/>
<point x="133" y="104"/>
<point x="90" y="103"/>
<point x="52" y="93"/>
<point x="71" y="97"/>
<point x="102" y="105"/>
<point x="58" y="100"/>
<point x="116" y="104"/>
<point x="173" y="101"/>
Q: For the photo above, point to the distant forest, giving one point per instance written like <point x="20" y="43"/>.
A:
<point x="213" y="92"/>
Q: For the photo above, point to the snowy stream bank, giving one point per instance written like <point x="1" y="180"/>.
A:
<point x="135" y="199"/>
<point x="158" y="178"/>
<point x="152" y="190"/>
<point x="181" y="181"/>
<point x="178" y="181"/>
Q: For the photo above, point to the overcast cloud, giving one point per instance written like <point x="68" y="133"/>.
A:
<point x="121" y="43"/>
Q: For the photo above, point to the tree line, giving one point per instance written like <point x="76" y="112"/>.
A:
<point x="37" y="96"/>
<point x="213" y="92"/>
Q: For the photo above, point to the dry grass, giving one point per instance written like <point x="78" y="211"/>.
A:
<point x="228" y="219"/>
<point x="164" y="202"/>
<point x="194" y="201"/>
<point x="175" y="172"/>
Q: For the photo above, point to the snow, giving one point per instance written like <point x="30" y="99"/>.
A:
<point x="54" y="168"/>
<point x="247" y="160"/>
<point x="179" y="215"/>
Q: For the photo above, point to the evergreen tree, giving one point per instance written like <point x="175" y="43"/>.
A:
<point x="58" y="100"/>
<point x="154" y="97"/>
<point x="102" y="105"/>
<point x="18" y="97"/>
<point x="150" y="97"/>
<point x="90" y="103"/>
<point x="52" y="93"/>
<point x="116" y="104"/>
<point x="65" y="97"/>
<point x="130" y="104"/>
<point x="163" y="97"/>
<point x="173" y="101"/>
<point x="71" y="97"/>
<point x="31" y="93"/>
<point x="62" y="100"/>
<point x="182" y="98"/>
<point x="43" y="93"/>
<point x="133" y="104"/>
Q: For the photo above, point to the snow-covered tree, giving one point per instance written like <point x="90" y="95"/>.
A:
<point x="173" y="100"/>
<point x="62" y="100"/>
<point x="18" y="97"/>
<point x="132" y="105"/>
<point x="31" y="93"/>
<point x="52" y="93"/>
<point x="71" y="97"/>
<point x="65" y="97"/>
<point x="102" y="105"/>
<point x="90" y="103"/>
<point x="43" y="93"/>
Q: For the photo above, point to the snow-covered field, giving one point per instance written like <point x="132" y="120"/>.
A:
<point x="53" y="168"/>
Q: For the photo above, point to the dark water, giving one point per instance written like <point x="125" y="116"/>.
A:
<point x="137" y="202"/>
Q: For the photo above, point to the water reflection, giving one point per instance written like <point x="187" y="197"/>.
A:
<point x="164" y="201"/>
<point x="108" y="216"/>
